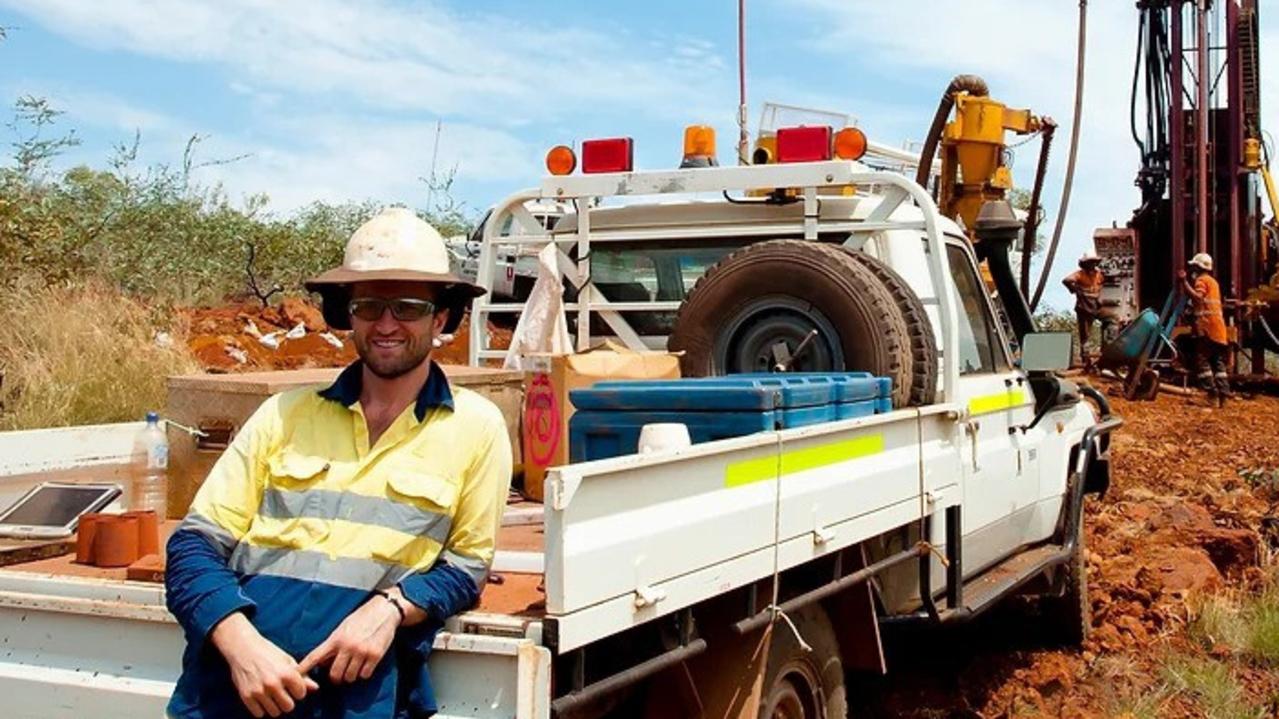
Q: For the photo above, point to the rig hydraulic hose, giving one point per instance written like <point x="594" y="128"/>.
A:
<point x="974" y="86"/>
<point x="1074" y="150"/>
<point x="1031" y="228"/>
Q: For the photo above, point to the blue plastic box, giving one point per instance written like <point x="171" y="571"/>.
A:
<point x="611" y="414"/>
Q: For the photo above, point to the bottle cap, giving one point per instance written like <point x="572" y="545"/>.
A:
<point x="153" y="417"/>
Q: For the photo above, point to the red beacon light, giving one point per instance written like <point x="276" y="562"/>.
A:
<point x="804" y="144"/>
<point x="615" y="154"/>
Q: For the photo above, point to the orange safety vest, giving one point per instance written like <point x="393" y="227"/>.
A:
<point x="1209" y="320"/>
<point x="1087" y="286"/>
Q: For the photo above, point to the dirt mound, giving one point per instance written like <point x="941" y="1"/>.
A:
<point x="292" y="335"/>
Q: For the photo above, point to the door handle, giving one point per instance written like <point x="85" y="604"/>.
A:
<point x="973" y="427"/>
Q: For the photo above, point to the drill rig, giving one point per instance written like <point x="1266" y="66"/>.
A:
<point x="1203" y="168"/>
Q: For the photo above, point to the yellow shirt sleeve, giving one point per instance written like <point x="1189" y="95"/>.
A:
<point x="481" y="502"/>
<point x="228" y="500"/>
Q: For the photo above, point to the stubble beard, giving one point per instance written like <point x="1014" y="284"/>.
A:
<point x="416" y="351"/>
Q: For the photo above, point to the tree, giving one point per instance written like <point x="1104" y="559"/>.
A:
<point x="32" y="116"/>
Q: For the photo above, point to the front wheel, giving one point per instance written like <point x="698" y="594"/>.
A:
<point x="1067" y="615"/>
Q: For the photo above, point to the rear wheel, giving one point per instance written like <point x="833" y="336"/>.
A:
<point x="809" y="306"/>
<point x="801" y="684"/>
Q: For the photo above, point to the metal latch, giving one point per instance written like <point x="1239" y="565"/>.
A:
<point x="214" y="435"/>
<point x="646" y="596"/>
<point x="822" y="535"/>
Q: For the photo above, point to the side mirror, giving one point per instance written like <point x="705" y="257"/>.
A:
<point x="1045" y="351"/>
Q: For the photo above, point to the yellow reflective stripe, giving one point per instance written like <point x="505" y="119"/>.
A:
<point x="760" y="469"/>
<point x="338" y="538"/>
<point x="996" y="402"/>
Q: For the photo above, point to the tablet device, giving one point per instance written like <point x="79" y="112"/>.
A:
<point x="53" y="509"/>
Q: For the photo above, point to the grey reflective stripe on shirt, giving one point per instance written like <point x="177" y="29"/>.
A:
<point x="361" y="509"/>
<point x="365" y="574"/>
<point x="477" y="569"/>
<point x="223" y="539"/>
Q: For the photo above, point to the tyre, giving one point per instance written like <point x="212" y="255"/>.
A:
<point x="802" y="684"/>
<point x="1067" y="614"/>
<point x="758" y="305"/>
<point x="923" y="344"/>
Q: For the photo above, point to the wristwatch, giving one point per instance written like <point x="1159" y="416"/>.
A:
<point x="394" y="602"/>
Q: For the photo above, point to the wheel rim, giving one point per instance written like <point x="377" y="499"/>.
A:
<point x="772" y="328"/>
<point x="792" y="697"/>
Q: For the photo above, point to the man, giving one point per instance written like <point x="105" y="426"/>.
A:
<point x="1085" y="285"/>
<point x="341" y="527"/>
<point x="1209" y="324"/>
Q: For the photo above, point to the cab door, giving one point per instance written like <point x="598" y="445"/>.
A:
<point x="1000" y="485"/>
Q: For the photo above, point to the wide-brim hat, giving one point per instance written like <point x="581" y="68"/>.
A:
<point x="395" y="245"/>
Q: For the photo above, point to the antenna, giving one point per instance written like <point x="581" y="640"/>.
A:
<point x="743" y="138"/>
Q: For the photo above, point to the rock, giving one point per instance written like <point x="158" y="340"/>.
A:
<point x="1229" y="549"/>
<point x="1178" y="569"/>
<point x="296" y="311"/>
<point x="1181" y="515"/>
<point x="1133" y="626"/>
<point x="273" y="316"/>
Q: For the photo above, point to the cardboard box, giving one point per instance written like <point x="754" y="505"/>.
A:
<point x="220" y="403"/>
<point x="546" y="399"/>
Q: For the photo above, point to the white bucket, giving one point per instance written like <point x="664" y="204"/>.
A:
<point x="663" y="436"/>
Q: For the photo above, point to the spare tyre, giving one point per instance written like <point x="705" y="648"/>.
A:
<point x="755" y="308"/>
<point x="923" y="343"/>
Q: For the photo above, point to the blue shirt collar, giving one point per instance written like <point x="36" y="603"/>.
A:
<point x="435" y="391"/>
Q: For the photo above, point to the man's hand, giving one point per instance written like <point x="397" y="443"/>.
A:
<point x="358" y="644"/>
<point x="266" y="677"/>
<point x="1181" y="275"/>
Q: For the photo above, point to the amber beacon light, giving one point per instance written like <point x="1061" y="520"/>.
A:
<point x="699" y="147"/>
<point x="560" y="160"/>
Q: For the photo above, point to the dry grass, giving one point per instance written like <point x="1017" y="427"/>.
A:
<point x="82" y="355"/>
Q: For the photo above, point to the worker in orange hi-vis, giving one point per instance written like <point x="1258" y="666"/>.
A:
<point x="1211" y="341"/>
<point x="1085" y="285"/>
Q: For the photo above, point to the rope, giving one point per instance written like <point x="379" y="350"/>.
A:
<point x="189" y="430"/>
<point x="773" y="606"/>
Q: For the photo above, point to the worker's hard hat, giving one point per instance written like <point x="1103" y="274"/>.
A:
<point x="1089" y="256"/>
<point x="1203" y="261"/>
<point x="394" y="245"/>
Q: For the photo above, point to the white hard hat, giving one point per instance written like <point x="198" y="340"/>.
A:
<point x="1203" y="261"/>
<point x="1089" y="256"/>
<point x="394" y="245"/>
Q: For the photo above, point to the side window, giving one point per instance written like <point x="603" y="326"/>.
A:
<point x="979" y="352"/>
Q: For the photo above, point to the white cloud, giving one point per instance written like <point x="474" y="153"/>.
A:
<point x="349" y="158"/>
<point x="422" y="57"/>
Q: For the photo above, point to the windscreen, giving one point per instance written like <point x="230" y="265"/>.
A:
<point x="54" y="506"/>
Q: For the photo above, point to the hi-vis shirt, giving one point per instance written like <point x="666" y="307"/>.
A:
<point x="1209" y="320"/>
<point x="301" y="520"/>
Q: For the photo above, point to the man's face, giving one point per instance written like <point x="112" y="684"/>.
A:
<point x="392" y="347"/>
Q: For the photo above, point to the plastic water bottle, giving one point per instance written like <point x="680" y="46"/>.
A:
<point x="150" y="465"/>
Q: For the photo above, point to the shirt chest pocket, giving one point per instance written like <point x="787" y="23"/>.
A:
<point x="294" y="512"/>
<point x="418" y="506"/>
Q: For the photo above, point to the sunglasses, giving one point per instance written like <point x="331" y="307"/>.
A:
<point x="404" y="309"/>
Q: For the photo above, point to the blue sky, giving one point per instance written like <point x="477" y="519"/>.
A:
<point x="335" y="100"/>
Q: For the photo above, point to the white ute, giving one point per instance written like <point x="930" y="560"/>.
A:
<point x="663" y="571"/>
